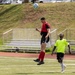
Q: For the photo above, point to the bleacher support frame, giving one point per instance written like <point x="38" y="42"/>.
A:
<point x="35" y="45"/>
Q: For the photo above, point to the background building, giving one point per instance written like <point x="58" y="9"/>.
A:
<point x="26" y="1"/>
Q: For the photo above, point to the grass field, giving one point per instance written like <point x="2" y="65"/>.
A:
<point x="26" y="66"/>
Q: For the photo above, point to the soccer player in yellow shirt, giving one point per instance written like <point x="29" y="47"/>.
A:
<point x="60" y="46"/>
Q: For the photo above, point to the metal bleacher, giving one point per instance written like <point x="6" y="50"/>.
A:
<point x="26" y="42"/>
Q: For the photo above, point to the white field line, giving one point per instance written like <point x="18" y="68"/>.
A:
<point x="32" y="59"/>
<point x="45" y="71"/>
<point x="44" y="65"/>
<point x="71" y="64"/>
<point x="51" y="71"/>
<point x="9" y="66"/>
<point x="48" y="59"/>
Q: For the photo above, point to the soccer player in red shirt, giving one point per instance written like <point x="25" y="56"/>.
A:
<point x="45" y="32"/>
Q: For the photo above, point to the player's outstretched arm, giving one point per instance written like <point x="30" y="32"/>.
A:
<point x="38" y="30"/>
<point x="69" y="49"/>
<point x="53" y="50"/>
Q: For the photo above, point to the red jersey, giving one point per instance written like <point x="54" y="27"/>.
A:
<point x="45" y="26"/>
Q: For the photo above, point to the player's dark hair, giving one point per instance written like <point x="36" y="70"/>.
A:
<point x="43" y="18"/>
<point x="61" y="35"/>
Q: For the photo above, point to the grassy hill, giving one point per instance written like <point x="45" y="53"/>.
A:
<point x="59" y="15"/>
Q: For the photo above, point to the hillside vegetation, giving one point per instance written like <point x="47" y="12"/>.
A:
<point x="59" y="15"/>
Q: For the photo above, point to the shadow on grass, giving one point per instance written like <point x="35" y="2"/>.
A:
<point x="24" y="73"/>
<point x="49" y="72"/>
<point x="7" y="10"/>
<point x="73" y="72"/>
<point x="37" y="73"/>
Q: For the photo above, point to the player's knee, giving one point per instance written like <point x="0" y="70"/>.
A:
<point x="59" y="60"/>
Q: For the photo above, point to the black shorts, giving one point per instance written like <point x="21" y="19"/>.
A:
<point x="44" y="40"/>
<point x="60" y="56"/>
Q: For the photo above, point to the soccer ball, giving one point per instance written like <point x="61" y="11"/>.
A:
<point x="35" y="5"/>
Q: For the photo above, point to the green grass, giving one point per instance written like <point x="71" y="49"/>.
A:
<point x="26" y="66"/>
<point x="59" y="15"/>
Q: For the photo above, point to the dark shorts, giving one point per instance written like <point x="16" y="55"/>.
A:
<point x="60" y="56"/>
<point x="44" y="40"/>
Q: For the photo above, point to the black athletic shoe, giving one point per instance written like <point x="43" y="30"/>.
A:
<point x="41" y="62"/>
<point x="37" y="60"/>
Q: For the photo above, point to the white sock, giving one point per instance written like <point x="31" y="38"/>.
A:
<point x="63" y="66"/>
